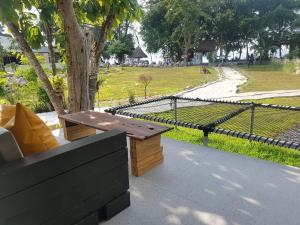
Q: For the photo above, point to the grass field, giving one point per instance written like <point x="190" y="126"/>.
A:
<point x="119" y="81"/>
<point x="290" y="101"/>
<point x="244" y="147"/>
<point x="276" y="76"/>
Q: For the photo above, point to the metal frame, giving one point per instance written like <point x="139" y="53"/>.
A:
<point x="212" y="127"/>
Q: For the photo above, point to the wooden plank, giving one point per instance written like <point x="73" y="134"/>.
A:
<point x="141" y="170"/>
<point x="140" y="149"/>
<point x="141" y="167"/>
<point x="145" y="154"/>
<point x="75" y="132"/>
<point x="148" y="143"/>
<point x="104" y="121"/>
<point x="92" y="219"/>
<point x="115" y="206"/>
<point x="104" y="195"/>
<point x="147" y="161"/>
<point x="67" y="192"/>
<point x="141" y="155"/>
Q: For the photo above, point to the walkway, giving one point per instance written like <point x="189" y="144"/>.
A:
<point x="227" y="86"/>
<point x="197" y="185"/>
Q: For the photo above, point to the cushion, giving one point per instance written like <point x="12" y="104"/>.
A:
<point x="9" y="149"/>
<point x="6" y="113"/>
<point x="31" y="133"/>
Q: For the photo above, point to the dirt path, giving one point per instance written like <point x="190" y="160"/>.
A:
<point x="227" y="86"/>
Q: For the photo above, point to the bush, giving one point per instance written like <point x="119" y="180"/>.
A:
<point x="40" y="107"/>
<point x="131" y="97"/>
<point x="3" y="86"/>
<point x="29" y="74"/>
<point x="31" y="93"/>
<point x="294" y="54"/>
<point x="24" y="60"/>
<point x="58" y="83"/>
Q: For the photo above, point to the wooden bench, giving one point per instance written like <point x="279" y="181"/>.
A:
<point x="145" y="148"/>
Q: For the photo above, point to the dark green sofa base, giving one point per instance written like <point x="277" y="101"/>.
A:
<point x="79" y="183"/>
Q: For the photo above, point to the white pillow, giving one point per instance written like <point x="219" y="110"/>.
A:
<point x="9" y="148"/>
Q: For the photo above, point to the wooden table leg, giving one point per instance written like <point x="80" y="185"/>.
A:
<point x="74" y="131"/>
<point x="145" y="154"/>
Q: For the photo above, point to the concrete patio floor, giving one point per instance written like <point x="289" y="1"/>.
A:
<point x="199" y="185"/>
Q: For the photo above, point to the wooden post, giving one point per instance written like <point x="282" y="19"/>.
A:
<point x="73" y="132"/>
<point x="145" y="154"/>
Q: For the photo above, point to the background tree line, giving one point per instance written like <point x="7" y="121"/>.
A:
<point x="178" y="26"/>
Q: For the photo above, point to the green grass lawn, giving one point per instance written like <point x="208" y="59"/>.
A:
<point x="289" y="101"/>
<point x="276" y="76"/>
<point x="119" y="81"/>
<point x="244" y="147"/>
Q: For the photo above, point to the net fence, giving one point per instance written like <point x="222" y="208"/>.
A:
<point x="272" y="124"/>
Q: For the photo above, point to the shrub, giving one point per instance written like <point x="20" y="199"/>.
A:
<point x="24" y="60"/>
<point x="131" y="97"/>
<point x="28" y="74"/>
<point x="3" y="86"/>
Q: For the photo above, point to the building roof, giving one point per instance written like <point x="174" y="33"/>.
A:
<point x="138" y="53"/>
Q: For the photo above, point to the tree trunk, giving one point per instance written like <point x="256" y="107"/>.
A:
<point x="50" y="38"/>
<point x="55" y="100"/>
<point x="95" y="54"/>
<point x="247" y="56"/>
<point x="240" y="53"/>
<point x="93" y="74"/>
<point x="77" y="58"/>
<point x="187" y="47"/>
<point x="280" y="51"/>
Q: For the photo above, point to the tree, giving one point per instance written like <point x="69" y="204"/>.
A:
<point x="2" y="55"/>
<point x="82" y="50"/>
<point x="104" y="16"/>
<point x="190" y="16"/>
<point x="275" y="27"/>
<point x="122" y="46"/>
<point x="20" y="21"/>
<point x="145" y="80"/>
<point x="157" y="31"/>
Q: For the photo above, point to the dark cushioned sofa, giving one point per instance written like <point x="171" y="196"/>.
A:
<point x="78" y="183"/>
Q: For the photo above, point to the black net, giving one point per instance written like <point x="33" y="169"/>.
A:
<point x="266" y="123"/>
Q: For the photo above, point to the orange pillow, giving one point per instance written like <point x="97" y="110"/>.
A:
<point x="31" y="133"/>
<point x="6" y="113"/>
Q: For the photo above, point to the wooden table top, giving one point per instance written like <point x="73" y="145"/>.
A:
<point x="104" y="121"/>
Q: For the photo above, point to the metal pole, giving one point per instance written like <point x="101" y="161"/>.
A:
<point x="205" y="137"/>
<point x="175" y="109"/>
<point x="252" y="118"/>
